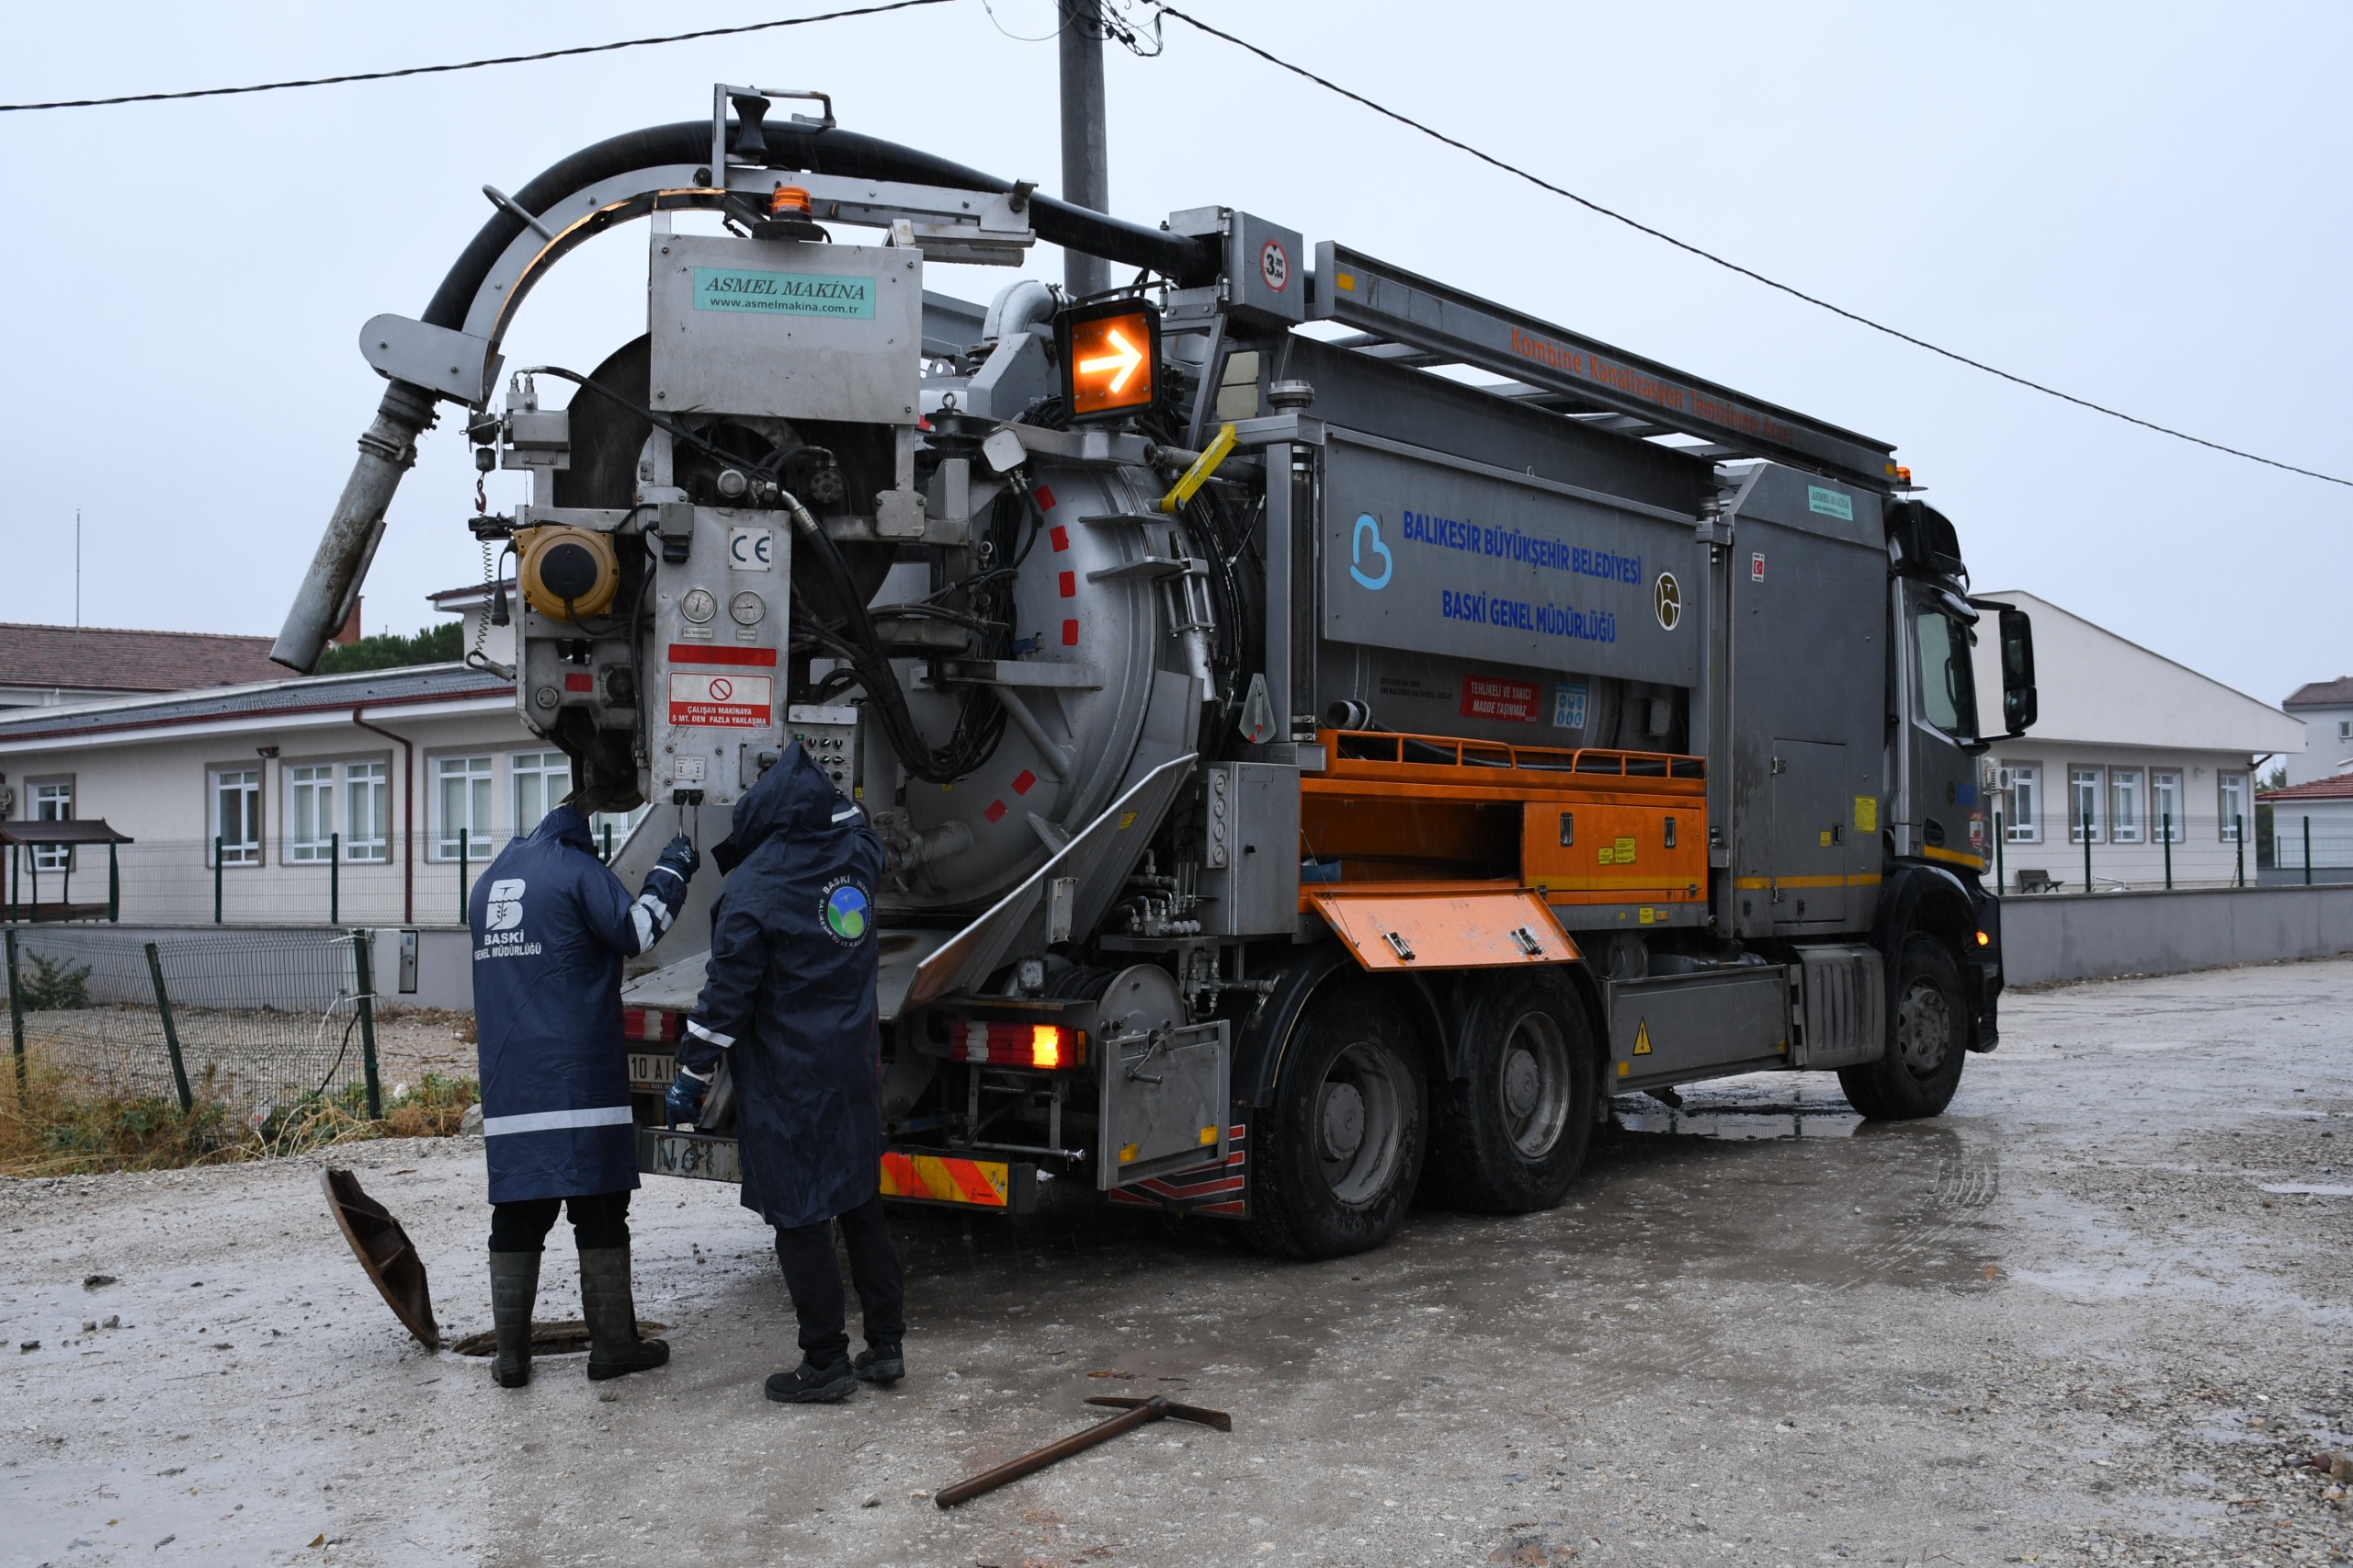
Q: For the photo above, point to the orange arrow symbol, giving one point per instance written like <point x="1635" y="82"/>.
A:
<point x="1124" y="362"/>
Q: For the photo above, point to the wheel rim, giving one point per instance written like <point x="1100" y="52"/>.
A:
<point x="1360" y="1110"/>
<point x="1533" y="1086"/>
<point x="1923" y="1027"/>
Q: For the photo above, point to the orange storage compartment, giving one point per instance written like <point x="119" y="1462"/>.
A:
<point x="1610" y="852"/>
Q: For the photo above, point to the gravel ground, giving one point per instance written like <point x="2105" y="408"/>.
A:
<point x="2087" y="1316"/>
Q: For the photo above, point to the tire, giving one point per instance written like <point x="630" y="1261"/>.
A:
<point x="1339" y="1153"/>
<point x="1508" y="1136"/>
<point x="1927" y="1035"/>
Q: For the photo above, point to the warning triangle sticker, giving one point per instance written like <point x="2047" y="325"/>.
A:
<point x="1642" y="1037"/>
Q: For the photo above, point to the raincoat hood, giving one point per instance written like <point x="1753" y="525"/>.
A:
<point x="794" y="798"/>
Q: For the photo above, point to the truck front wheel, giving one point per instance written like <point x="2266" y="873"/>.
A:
<point x="1927" y="1035"/>
<point x="1508" y="1137"/>
<point x="1338" y="1155"/>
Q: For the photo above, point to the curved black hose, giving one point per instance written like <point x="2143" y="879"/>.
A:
<point x="835" y="151"/>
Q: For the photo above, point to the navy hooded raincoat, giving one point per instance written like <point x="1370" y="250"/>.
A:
<point x="789" y="996"/>
<point x="551" y="925"/>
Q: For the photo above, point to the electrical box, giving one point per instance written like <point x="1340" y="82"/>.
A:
<point x="829" y="734"/>
<point x="713" y="685"/>
<point x="786" y="329"/>
<point x="1249" y="849"/>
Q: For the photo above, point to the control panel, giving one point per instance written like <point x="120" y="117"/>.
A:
<point x="829" y="734"/>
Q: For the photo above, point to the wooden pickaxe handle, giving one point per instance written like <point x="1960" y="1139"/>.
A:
<point x="1152" y="1409"/>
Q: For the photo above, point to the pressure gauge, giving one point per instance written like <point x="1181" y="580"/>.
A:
<point x="699" y="605"/>
<point x="748" y="608"/>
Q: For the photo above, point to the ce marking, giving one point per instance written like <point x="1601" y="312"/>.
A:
<point x="751" y="550"/>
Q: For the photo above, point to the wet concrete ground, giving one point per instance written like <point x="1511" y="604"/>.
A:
<point x="2099" y="1312"/>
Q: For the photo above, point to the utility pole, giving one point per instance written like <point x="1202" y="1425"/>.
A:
<point x="1087" y="171"/>
<point x="77" y="568"/>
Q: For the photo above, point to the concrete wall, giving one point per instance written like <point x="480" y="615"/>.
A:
<point x="2062" y="937"/>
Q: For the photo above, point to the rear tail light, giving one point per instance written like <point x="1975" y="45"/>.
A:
<point x="649" y="1024"/>
<point x="1046" y="1046"/>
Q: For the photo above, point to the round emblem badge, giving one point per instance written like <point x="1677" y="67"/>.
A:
<point x="1667" y="597"/>
<point x="1274" y="266"/>
<point x="845" y="912"/>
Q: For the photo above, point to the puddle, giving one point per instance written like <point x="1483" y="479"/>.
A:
<point x="1739" y="1123"/>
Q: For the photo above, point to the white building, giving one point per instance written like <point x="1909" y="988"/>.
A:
<point x="2327" y="709"/>
<point x="2311" y="826"/>
<point x="369" y="798"/>
<point x="2145" y="759"/>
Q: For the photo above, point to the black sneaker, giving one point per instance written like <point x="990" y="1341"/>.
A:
<point x="807" y="1385"/>
<point x="879" y="1363"/>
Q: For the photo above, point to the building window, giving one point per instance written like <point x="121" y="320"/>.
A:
<point x="236" y="814"/>
<point x="614" y="828"/>
<point x="2344" y="729"/>
<point x="2164" y="805"/>
<point x="367" y="811"/>
<point x="50" y="800"/>
<point x="2126" y="805"/>
<point x="2232" y="790"/>
<point x="2083" y="804"/>
<point x="310" y="813"/>
<point x="543" y="779"/>
<point x="2021" y="785"/>
<point x="464" y="806"/>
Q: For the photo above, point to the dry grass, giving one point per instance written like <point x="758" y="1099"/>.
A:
<point x="54" y="1121"/>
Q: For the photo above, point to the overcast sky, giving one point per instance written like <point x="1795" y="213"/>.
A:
<point x="2147" y="205"/>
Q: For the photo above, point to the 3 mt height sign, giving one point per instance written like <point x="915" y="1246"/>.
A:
<point x="1274" y="266"/>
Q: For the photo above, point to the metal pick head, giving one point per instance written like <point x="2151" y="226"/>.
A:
<point x="1217" y="1418"/>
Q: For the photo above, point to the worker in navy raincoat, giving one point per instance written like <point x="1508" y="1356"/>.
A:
<point x="789" y="998"/>
<point x="551" y="925"/>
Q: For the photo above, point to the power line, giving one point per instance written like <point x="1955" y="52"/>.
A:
<point x="1751" y="273"/>
<point x="875" y="10"/>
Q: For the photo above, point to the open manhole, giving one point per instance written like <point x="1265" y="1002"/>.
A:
<point x="569" y="1337"/>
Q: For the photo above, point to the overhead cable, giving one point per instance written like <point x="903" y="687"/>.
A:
<point x="874" y="10"/>
<point x="1708" y="256"/>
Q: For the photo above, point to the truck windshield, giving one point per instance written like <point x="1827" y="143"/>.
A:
<point x="1948" y="689"/>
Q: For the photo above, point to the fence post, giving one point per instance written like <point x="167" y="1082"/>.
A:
<point x="16" y="877"/>
<point x="15" y="1014"/>
<point x="2238" y="838"/>
<point x="334" y="879"/>
<point x="171" y="1030"/>
<point x="609" y="843"/>
<point x="2087" y="852"/>
<point x="2168" y="852"/>
<point x="462" y="853"/>
<point x="360" y="943"/>
<point x="114" y="886"/>
<point x="2308" y="849"/>
<point x="216" y="878"/>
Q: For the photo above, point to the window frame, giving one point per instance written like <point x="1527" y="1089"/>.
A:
<point x="298" y="784"/>
<point x="1960" y="642"/>
<point x="373" y="849"/>
<point x="2018" y="828"/>
<point x="49" y="857"/>
<point x="2098" y="784"/>
<point x="2228" y="782"/>
<point x="523" y="766"/>
<point x="254" y="849"/>
<point x="2121" y="782"/>
<point x="479" y="835"/>
<point x="2178" y="833"/>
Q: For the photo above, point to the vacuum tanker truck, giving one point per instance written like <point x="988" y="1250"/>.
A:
<point x="1330" y="732"/>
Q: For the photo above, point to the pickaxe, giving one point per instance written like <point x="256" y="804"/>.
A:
<point x="1133" y="1413"/>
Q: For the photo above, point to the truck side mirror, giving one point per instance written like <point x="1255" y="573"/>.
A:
<point x="2018" y="671"/>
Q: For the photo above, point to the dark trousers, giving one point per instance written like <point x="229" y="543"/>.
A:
<point x="599" y="1220"/>
<point x="806" y="1252"/>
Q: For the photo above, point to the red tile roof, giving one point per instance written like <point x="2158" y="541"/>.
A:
<point x="99" y="658"/>
<point x="2337" y="693"/>
<point x="2337" y="788"/>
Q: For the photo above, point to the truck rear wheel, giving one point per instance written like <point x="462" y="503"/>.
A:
<point x="1508" y="1136"/>
<point x="1335" y="1160"/>
<point x="1927" y="1039"/>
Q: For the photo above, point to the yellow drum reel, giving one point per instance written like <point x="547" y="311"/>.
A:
<point x="566" y="573"/>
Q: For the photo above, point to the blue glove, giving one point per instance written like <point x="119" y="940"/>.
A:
<point x="679" y="858"/>
<point x="683" y="1100"/>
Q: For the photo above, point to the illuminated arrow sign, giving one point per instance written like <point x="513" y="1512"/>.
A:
<point x="1108" y="354"/>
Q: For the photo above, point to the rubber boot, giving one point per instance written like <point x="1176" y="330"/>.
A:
<point x="514" y="1286"/>
<point x="614" y="1348"/>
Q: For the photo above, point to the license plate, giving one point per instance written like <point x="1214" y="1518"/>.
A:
<point x="693" y="1154"/>
<point x="648" y="1071"/>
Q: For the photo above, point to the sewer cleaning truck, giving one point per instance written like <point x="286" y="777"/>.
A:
<point x="1330" y="732"/>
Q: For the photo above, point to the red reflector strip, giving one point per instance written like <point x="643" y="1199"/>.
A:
<point x="579" y="683"/>
<point x="1045" y="503"/>
<point x="648" y="1023"/>
<point x="1046" y="1047"/>
<point x="703" y="653"/>
<point x="1060" y="538"/>
<point x="1024" y="782"/>
<point x="995" y="811"/>
<point x="1070" y="584"/>
<point x="943" y="1178"/>
<point x="1069" y="635"/>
